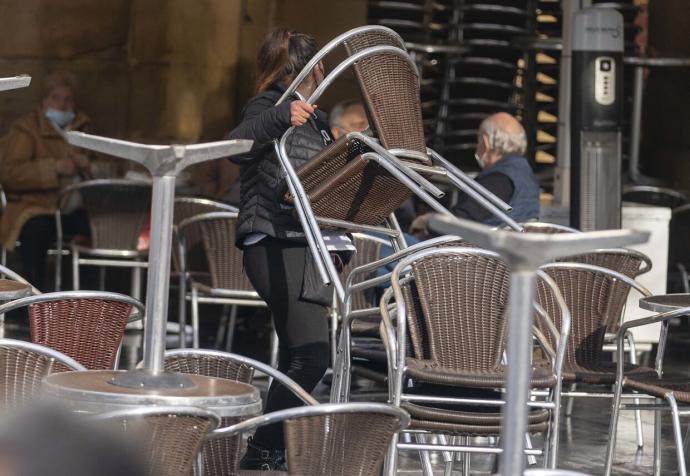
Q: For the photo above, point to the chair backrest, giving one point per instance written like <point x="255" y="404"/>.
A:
<point x="169" y="438"/>
<point x="87" y="326"/>
<point x="588" y="294"/>
<point x="542" y="227"/>
<point x="390" y="89"/>
<point x="462" y="296"/>
<point x="24" y="365"/>
<point x="368" y="250"/>
<point x="117" y="211"/>
<point x="217" y="231"/>
<point x="630" y="263"/>
<point x="339" y="444"/>
<point x="187" y="207"/>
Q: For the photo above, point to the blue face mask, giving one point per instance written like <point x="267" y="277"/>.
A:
<point x="59" y="118"/>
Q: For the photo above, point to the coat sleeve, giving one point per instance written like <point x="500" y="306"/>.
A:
<point x="262" y="122"/>
<point x="20" y="171"/>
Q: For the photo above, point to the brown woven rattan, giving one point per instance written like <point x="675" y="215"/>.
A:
<point x="340" y="183"/>
<point x="223" y="258"/>
<point x="468" y="422"/>
<point x="345" y="444"/>
<point x="88" y="330"/>
<point x="117" y="212"/>
<point x="187" y="207"/>
<point x="169" y="444"/>
<point x="588" y="295"/>
<point x="221" y="456"/>
<point x="390" y="88"/>
<point x="21" y="374"/>
<point x="660" y="387"/>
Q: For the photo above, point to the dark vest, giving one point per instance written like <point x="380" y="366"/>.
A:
<point x="525" y="198"/>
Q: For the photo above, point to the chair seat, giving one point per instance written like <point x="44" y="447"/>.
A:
<point x="660" y="387"/>
<point x="247" y="472"/>
<point x="366" y="328"/>
<point x="430" y="372"/>
<point x="468" y="422"/>
<point x="109" y="253"/>
<point x="605" y="373"/>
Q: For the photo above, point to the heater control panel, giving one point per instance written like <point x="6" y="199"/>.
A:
<point x="605" y="80"/>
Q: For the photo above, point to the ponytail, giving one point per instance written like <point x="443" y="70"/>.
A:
<point x="283" y="54"/>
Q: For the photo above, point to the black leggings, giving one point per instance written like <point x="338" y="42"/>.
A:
<point x="276" y="269"/>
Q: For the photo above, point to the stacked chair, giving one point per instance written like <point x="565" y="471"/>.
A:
<point x="357" y="182"/>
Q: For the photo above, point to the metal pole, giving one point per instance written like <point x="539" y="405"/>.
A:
<point x="159" y="270"/>
<point x="636" y="126"/>
<point x="519" y="348"/>
<point x="562" y="179"/>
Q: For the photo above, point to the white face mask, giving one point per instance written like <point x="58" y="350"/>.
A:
<point x="479" y="160"/>
<point x="60" y="118"/>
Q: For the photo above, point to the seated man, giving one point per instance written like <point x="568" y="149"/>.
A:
<point x="346" y="117"/>
<point x="501" y="144"/>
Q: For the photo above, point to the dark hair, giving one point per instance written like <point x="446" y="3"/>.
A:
<point x="283" y="54"/>
<point x="57" y="79"/>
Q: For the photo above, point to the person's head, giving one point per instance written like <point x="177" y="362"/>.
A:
<point x="58" y="97"/>
<point x="499" y="136"/>
<point x="282" y="55"/>
<point x="346" y="117"/>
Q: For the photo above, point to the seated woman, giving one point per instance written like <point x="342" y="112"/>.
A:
<point x="37" y="163"/>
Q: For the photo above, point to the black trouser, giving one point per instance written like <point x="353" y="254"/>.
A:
<point x="276" y="269"/>
<point x="36" y="237"/>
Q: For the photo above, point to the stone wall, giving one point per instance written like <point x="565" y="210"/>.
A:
<point x="155" y="70"/>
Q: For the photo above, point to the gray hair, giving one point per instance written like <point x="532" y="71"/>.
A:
<point x="335" y="118"/>
<point x="503" y="142"/>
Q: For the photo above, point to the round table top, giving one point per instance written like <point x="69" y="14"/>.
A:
<point x="665" y="302"/>
<point x="92" y="392"/>
<point x="11" y="290"/>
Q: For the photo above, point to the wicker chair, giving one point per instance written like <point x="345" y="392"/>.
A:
<point x="23" y="367"/>
<point x="169" y="438"/>
<point x="187" y="207"/>
<point x="593" y="295"/>
<point x="226" y="282"/>
<point x="87" y="326"/>
<point x="365" y="320"/>
<point x="673" y="390"/>
<point x="117" y="210"/>
<point x="348" y="439"/>
<point x="221" y="456"/>
<point x="360" y="180"/>
<point x="466" y="351"/>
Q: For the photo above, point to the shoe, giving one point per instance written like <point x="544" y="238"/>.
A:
<point x="258" y="457"/>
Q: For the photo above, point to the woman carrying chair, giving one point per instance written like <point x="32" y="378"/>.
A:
<point x="276" y="256"/>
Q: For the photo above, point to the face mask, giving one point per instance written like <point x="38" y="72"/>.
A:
<point x="59" y="118"/>
<point x="479" y="160"/>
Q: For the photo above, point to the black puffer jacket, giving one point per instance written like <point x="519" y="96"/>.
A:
<point x="262" y="180"/>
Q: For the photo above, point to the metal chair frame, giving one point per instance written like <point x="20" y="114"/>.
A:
<point x="210" y="295"/>
<point x="406" y="172"/>
<point x="629" y="344"/>
<point x="314" y="411"/>
<point x="395" y="337"/>
<point x="42" y="351"/>
<point x="163" y="411"/>
<point x="275" y="374"/>
<point x="137" y="315"/>
<point x="180" y="261"/>
<point x="670" y="404"/>
<point x="342" y="368"/>
<point x="118" y="258"/>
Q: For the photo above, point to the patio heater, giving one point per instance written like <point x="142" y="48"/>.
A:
<point x="523" y="253"/>
<point x="596" y="117"/>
